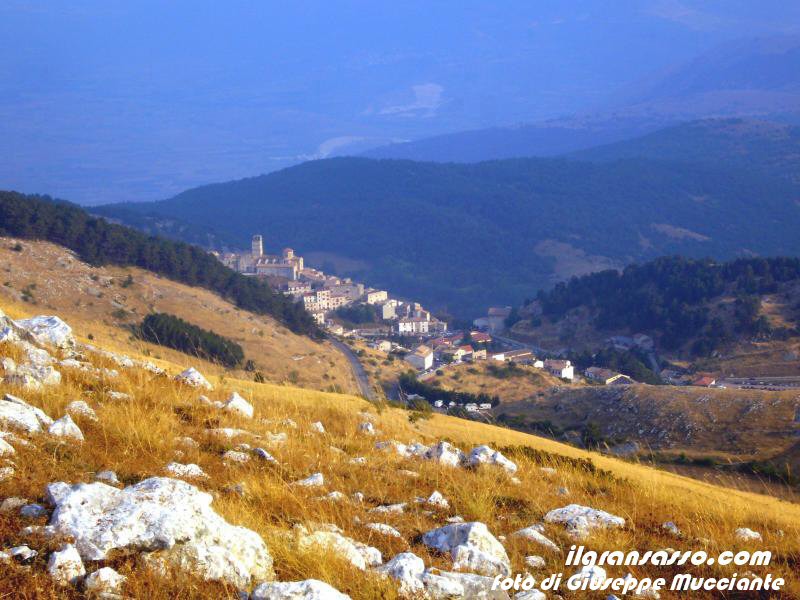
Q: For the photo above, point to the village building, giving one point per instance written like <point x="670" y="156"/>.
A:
<point x="496" y="318"/>
<point x="479" y="354"/>
<point x="412" y="326"/>
<point x="376" y="296"/>
<point x="704" y="381"/>
<point x="521" y="356"/>
<point x="382" y="345"/>
<point x="606" y="376"/>
<point x="345" y="288"/>
<point x="560" y="368"/>
<point x="388" y="309"/>
<point x="421" y="358"/>
<point x="480" y="337"/>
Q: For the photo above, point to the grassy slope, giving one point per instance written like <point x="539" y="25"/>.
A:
<point x="137" y="439"/>
<point x="94" y="301"/>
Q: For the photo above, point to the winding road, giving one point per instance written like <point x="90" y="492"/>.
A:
<point x="358" y="369"/>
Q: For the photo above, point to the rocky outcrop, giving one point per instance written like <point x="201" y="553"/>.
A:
<point x="310" y="589"/>
<point x="194" y="378"/>
<point x="170" y="519"/>
<point x="48" y="330"/>
<point x="472" y="548"/>
<point x="484" y="455"/>
<point x="581" y="520"/>
<point x="18" y="414"/>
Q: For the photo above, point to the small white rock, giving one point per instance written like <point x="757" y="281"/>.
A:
<point x="314" y="480"/>
<point x="104" y="581"/>
<point x="66" y="427"/>
<point x="66" y="566"/>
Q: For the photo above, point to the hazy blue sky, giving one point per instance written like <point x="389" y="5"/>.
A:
<point x="103" y="101"/>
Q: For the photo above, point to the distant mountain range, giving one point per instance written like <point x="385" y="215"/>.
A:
<point x="463" y="236"/>
<point x="749" y="78"/>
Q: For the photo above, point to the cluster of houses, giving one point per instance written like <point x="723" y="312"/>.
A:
<point x="321" y="294"/>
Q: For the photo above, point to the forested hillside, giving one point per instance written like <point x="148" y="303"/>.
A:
<point x="669" y="298"/>
<point x="98" y="242"/>
<point x="464" y="236"/>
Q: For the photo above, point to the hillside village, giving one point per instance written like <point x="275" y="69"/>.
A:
<point x="322" y="294"/>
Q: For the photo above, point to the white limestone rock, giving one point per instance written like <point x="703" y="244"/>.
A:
<point x="6" y="449"/>
<point x="194" y="378"/>
<point x="11" y="504"/>
<point x="105" y="581"/>
<point x="671" y="528"/>
<point x="593" y="573"/>
<point x="79" y="408"/>
<point x="440" y="585"/>
<point x="530" y="595"/>
<point x="48" y="330"/>
<point x="484" y="455"/>
<point x="367" y="428"/>
<point x="32" y="511"/>
<point x="445" y="453"/>
<point x="384" y="509"/>
<point x="107" y="476"/>
<point x="310" y="589"/>
<point x="438" y="500"/>
<point x="314" y="480"/>
<point x="232" y="456"/>
<point x="356" y="553"/>
<point x="65" y="566"/>
<point x="318" y="427"/>
<point x="65" y="427"/>
<point x="115" y="395"/>
<point x="581" y="520"/>
<point x="334" y="496"/>
<point x="18" y="414"/>
<point x="535" y="562"/>
<point x="22" y="554"/>
<point x="159" y="514"/>
<point x="472" y="547"/>
<point x="384" y="529"/>
<point x="406" y="569"/>
<point x="238" y="405"/>
<point x="6" y="473"/>
<point x="358" y="460"/>
<point x="534" y="534"/>
<point x="265" y="456"/>
<point x="744" y="534"/>
<point x="189" y="471"/>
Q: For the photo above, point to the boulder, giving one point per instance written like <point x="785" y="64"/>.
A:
<point x="238" y="405"/>
<point x="441" y="585"/>
<point x="11" y="504"/>
<point x="33" y="377"/>
<point x="534" y="562"/>
<point x="105" y="581"/>
<point x="310" y="589"/>
<point x="315" y="480"/>
<point x="436" y="499"/>
<point x="192" y="377"/>
<point x="445" y="453"/>
<point x="534" y="534"/>
<point x="65" y="566"/>
<point x="318" y="427"/>
<point x="79" y="408"/>
<point x="747" y="535"/>
<point x="32" y="511"/>
<point x="472" y="548"/>
<point x="107" y="476"/>
<point x="167" y="517"/>
<point x="65" y="427"/>
<point x="406" y="569"/>
<point x="581" y="520"/>
<point x="331" y="540"/>
<point x="484" y="455"/>
<point x="48" y="330"/>
<point x="6" y="449"/>
<point x="190" y="471"/>
<point x="18" y="414"/>
<point x="233" y="456"/>
<point x="383" y="529"/>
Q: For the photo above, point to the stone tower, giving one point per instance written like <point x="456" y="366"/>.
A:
<point x="257" y="246"/>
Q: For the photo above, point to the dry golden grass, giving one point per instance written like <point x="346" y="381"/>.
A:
<point x="517" y="384"/>
<point x="94" y="300"/>
<point x="137" y="438"/>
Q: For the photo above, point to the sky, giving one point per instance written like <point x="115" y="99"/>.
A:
<point x="106" y="101"/>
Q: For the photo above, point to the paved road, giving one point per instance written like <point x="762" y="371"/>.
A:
<point x="358" y="370"/>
